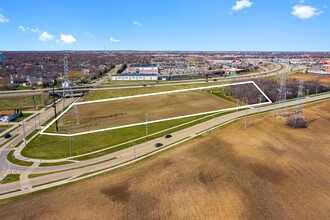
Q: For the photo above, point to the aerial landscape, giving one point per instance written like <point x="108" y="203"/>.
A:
<point x="165" y="109"/>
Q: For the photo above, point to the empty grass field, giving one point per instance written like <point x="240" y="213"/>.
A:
<point x="115" y="113"/>
<point x="23" y="101"/>
<point x="53" y="147"/>
<point x="113" y="93"/>
<point x="267" y="171"/>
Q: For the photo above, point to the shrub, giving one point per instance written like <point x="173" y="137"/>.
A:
<point x="296" y="122"/>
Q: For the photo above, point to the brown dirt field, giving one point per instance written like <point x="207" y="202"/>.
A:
<point x="268" y="171"/>
<point x="324" y="80"/>
<point x="130" y="111"/>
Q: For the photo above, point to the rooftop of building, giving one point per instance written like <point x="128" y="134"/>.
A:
<point x="142" y="65"/>
<point x="7" y="112"/>
<point x="136" y="75"/>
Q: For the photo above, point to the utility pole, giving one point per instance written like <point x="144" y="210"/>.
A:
<point x="246" y="112"/>
<point x="237" y="109"/>
<point x="133" y="148"/>
<point x="299" y="111"/>
<point x="24" y="131"/>
<point x="147" y="126"/>
<point x="39" y="121"/>
<point x="54" y="105"/>
<point x="34" y="100"/>
<point x="70" y="140"/>
<point x="260" y="97"/>
<point x="246" y="102"/>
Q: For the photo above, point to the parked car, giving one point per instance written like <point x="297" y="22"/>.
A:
<point x="168" y="136"/>
<point x="214" y="80"/>
<point x="158" y="144"/>
<point x="7" y="136"/>
<point x="144" y="85"/>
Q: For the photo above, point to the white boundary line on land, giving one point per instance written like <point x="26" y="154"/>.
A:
<point x="155" y="121"/>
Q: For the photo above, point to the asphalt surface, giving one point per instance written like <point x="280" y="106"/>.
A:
<point x="29" y="126"/>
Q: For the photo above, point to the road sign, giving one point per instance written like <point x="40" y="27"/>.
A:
<point x="137" y="70"/>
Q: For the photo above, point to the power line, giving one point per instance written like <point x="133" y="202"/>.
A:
<point x="279" y="108"/>
<point x="67" y="89"/>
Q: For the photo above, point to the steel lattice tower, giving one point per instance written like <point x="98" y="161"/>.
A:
<point x="67" y="89"/>
<point x="299" y="110"/>
<point x="279" y="108"/>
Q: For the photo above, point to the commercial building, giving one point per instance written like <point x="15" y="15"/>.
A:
<point x="7" y="115"/>
<point x="1" y="58"/>
<point x="320" y="69"/>
<point x="318" y="72"/>
<point x="135" y="77"/>
<point x="143" y="68"/>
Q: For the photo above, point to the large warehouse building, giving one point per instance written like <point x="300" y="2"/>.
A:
<point x="135" y="77"/>
<point x="143" y="68"/>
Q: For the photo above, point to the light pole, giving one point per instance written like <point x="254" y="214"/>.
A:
<point x="245" y="110"/>
<point x="24" y="131"/>
<point x="237" y="109"/>
<point x="147" y="126"/>
<point x="39" y="121"/>
<point x="260" y="97"/>
<point x="133" y="148"/>
<point x="70" y="140"/>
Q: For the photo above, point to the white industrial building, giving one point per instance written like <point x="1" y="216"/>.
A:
<point x="135" y="77"/>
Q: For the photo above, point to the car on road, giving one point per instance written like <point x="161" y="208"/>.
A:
<point x="144" y="85"/>
<point x="168" y="136"/>
<point x="7" y="136"/>
<point x="214" y="80"/>
<point x="158" y="144"/>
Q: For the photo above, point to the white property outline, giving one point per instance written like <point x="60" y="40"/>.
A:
<point x="160" y="120"/>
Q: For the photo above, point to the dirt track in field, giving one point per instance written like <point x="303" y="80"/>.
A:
<point x="268" y="171"/>
<point x="130" y="111"/>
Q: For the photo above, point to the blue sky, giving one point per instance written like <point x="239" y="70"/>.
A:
<point x="209" y="25"/>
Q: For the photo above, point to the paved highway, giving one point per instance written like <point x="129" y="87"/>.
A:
<point x="125" y="155"/>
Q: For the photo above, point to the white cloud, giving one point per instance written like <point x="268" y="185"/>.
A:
<point x="240" y="4"/>
<point x="36" y="30"/>
<point x="25" y="29"/>
<point x="137" y="23"/>
<point x="305" y="11"/>
<point x="301" y="1"/>
<point x="45" y="36"/>
<point x="113" y="39"/>
<point x="3" y="19"/>
<point x="67" y="39"/>
<point x="22" y="28"/>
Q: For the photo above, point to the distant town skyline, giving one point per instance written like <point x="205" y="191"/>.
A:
<point x="212" y="25"/>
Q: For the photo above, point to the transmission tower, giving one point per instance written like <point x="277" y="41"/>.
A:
<point x="279" y="108"/>
<point x="67" y="89"/>
<point x="299" y="112"/>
